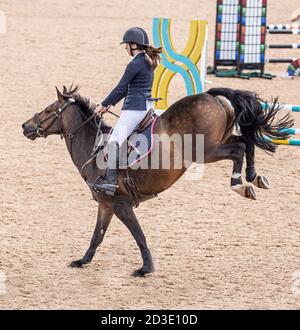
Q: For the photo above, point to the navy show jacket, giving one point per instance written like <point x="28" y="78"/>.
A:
<point x="135" y="85"/>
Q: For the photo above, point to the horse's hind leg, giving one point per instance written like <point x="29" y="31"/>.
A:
<point x="235" y="152"/>
<point x="259" y="181"/>
<point x="123" y="210"/>
<point x="105" y="213"/>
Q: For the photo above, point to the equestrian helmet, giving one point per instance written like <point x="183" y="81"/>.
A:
<point x="136" y="35"/>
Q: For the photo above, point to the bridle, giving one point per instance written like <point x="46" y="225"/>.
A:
<point x="43" y="132"/>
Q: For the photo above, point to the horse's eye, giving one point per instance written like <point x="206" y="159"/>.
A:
<point x="50" y="108"/>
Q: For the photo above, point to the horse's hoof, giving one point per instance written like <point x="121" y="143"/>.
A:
<point x="245" y="191"/>
<point x="261" y="181"/>
<point x="142" y="272"/>
<point x="76" y="264"/>
<point x="250" y="193"/>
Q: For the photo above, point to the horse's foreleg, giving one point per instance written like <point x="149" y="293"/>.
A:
<point x="259" y="181"/>
<point x="123" y="210"/>
<point x="235" y="152"/>
<point x="105" y="214"/>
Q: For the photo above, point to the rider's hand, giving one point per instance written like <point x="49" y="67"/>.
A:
<point x="101" y="109"/>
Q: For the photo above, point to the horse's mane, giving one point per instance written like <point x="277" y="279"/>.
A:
<point x="86" y="106"/>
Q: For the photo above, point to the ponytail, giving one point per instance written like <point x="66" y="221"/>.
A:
<point x="152" y="55"/>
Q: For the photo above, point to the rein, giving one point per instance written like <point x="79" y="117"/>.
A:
<point x="43" y="132"/>
<point x="71" y="135"/>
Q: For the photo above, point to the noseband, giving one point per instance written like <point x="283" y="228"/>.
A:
<point x="43" y="132"/>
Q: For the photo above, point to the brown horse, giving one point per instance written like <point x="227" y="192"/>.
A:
<point x="213" y="114"/>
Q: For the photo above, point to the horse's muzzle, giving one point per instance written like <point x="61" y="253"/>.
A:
<point x="32" y="132"/>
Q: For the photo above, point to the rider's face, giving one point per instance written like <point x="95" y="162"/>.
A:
<point x="127" y="47"/>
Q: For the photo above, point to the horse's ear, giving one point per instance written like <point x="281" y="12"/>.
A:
<point x="60" y="97"/>
<point x="65" y="90"/>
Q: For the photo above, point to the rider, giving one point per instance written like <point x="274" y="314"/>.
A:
<point x="135" y="86"/>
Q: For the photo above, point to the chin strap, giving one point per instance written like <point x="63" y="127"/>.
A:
<point x="132" y="49"/>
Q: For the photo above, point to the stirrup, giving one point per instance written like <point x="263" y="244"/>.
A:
<point x="106" y="186"/>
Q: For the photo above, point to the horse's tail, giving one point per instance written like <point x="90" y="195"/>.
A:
<point x="257" y="125"/>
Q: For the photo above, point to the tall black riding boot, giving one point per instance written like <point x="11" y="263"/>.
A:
<point x="109" y="183"/>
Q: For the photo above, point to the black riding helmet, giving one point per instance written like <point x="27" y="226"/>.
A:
<point x="136" y="35"/>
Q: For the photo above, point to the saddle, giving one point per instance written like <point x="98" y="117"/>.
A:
<point x="150" y="117"/>
<point x="146" y="122"/>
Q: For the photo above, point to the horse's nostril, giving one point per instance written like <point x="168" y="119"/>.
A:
<point x="25" y="126"/>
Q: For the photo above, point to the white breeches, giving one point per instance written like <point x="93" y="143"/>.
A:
<point x="126" y="124"/>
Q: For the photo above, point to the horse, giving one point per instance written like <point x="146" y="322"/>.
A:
<point x="215" y="114"/>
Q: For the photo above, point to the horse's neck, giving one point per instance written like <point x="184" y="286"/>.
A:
<point x="81" y="145"/>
